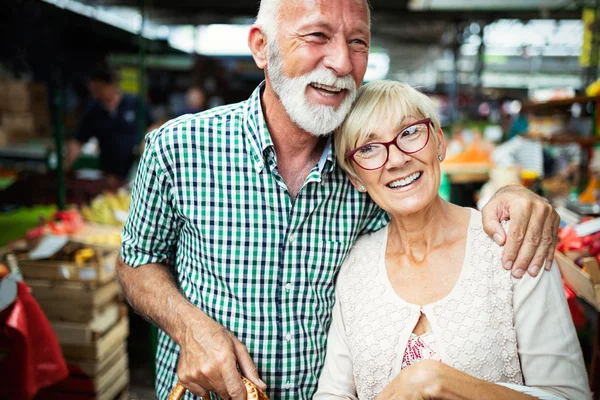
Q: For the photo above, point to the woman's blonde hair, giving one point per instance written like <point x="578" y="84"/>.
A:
<point x="378" y="104"/>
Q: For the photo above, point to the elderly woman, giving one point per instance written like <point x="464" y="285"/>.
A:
<point x="424" y="307"/>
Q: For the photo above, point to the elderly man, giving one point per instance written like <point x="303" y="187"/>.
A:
<point x="240" y="217"/>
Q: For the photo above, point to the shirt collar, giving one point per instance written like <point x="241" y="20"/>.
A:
<point x="260" y="139"/>
<point x="256" y="128"/>
<point x="327" y="162"/>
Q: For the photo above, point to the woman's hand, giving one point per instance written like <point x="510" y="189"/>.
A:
<point x="418" y="382"/>
<point x="430" y="379"/>
<point x="533" y="232"/>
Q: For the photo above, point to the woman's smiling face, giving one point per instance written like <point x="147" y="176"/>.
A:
<point x="395" y="115"/>
<point x="406" y="183"/>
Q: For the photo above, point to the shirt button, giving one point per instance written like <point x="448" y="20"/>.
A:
<point x="288" y="286"/>
<point x="292" y="238"/>
<point x="287" y="385"/>
<point x="288" y="336"/>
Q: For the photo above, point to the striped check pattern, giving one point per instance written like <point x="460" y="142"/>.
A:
<point x="208" y="198"/>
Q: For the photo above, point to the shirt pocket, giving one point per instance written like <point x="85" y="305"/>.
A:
<point x="324" y="259"/>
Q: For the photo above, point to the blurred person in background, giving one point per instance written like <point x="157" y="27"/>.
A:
<point x="240" y="216"/>
<point x="531" y="154"/>
<point x="195" y="100"/>
<point x="111" y="118"/>
<point x="519" y="151"/>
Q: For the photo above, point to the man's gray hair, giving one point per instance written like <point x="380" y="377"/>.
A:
<point x="268" y="17"/>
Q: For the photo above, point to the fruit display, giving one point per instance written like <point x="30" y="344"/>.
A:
<point x="592" y="193"/>
<point x="108" y="208"/>
<point x="106" y="239"/>
<point x="577" y="247"/>
<point x="61" y="223"/>
<point x="593" y="89"/>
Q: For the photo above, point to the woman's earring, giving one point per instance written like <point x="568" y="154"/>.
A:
<point x="440" y="158"/>
<point x="361" y="188"/>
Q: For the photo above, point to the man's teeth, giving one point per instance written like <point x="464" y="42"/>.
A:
<point x="406" y="181"/>
<point x="326" y="90"/>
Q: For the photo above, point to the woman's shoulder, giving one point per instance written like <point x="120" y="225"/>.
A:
<point x="368" y="240"/>
<point x="365" y="254"/>
<point x="482" y="251"/>
<point x="478" y="234"/>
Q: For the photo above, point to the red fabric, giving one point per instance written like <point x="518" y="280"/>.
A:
<point x="34" y="357"/>
<point x="76" y="382"/>
<point x="574" y="307"/>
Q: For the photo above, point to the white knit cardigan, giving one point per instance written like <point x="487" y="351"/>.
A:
<point x="490" y="325"/>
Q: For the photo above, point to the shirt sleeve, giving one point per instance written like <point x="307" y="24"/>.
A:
<point x="337" y="376"/>
<point x="548" y="347"/>
<point x="532" y="391"/>
<point x="152" y="227"/>
<point x="378" y="218"/>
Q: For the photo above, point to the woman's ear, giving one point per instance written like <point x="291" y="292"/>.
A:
<point x="357" y="183"/>
<point x="257" y="41"/>
<point x="441" y="143"/>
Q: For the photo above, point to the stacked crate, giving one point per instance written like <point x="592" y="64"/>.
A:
<point x="84" y="306"/>
<point x="24" y="111"/>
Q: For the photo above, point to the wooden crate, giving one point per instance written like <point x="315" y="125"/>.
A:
<point x="116" y="391"/>
<point x="82" y="333"/>
<point x="102" y="347"/>
<point x="585" y="282"/>
<point x="96" y="367"/>
<point x="56" y="299"/>
<point x="79" y="293"/>
<point x="107" y="378"/>
<point x="98" y="272"/>
<point x="25" y="96"/>
<point x="25" y="124"/>
<point x="96" y="384"/>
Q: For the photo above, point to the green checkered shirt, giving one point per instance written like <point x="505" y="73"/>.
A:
<point x="209" y="199"/>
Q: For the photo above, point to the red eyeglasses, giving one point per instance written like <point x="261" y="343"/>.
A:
<point x="411" y="139"/>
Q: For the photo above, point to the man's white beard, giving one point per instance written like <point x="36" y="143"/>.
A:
<point x="317" y="119"/>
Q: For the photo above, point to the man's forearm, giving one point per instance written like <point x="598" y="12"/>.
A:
<point x="153" y="293"/>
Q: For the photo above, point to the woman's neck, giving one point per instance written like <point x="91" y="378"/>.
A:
<point x="418" y="234"/>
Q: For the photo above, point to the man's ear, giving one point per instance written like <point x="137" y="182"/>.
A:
<point x="257" y="41"/>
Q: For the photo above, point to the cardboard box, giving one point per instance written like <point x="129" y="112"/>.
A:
<point x="22" y="96"/>
<point x="584" y="281"/>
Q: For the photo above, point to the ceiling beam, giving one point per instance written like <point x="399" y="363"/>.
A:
<point x="190" y="12"/>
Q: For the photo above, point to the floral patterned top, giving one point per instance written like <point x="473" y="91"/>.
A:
<point x="420" y="348"/>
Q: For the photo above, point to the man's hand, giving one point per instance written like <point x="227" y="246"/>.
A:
<point x="533" y="232"/>
<point x="210" y="355"/>
<point x="209" y="360"/>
